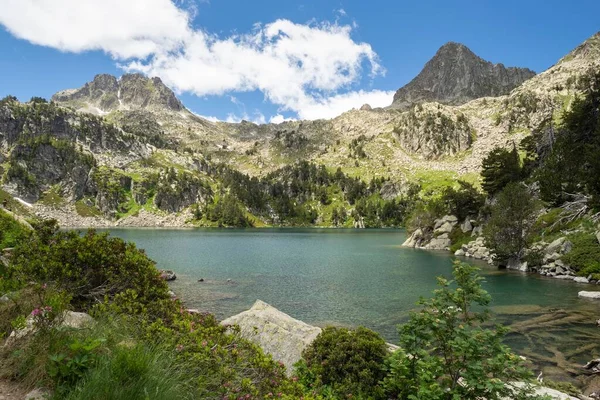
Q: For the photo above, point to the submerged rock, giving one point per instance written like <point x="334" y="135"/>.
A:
<point x="581" y="279"/>
<point x="589" y="295"/>
<point x="278" y="334"/>
<point x="168" y="275"/>
<point x="517" y="265"/>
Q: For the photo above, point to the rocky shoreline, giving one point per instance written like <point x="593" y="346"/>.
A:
<point x="552" y="264"/>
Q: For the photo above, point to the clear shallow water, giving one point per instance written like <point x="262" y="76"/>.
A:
<point x="361" y="277"/>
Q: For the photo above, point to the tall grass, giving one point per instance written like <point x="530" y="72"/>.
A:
<point x="131" y="373"/>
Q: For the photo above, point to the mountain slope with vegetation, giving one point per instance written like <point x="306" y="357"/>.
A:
<point x="125" y="151"/>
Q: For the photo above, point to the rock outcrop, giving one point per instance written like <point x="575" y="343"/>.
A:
<point x="456" y="75"/>
<point x="433" y="130"/>
<point x="476" y="249"/>
<point x="437" y="238"/>
<point x="68" y="319"/>
<point x="589" y="295"/>
<point x="131" y="92"/>
<point x="278" y="334"/>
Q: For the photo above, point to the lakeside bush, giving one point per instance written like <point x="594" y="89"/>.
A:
<point x="509" y="228"/>
<point x="448" y="353"/>
<point x="584" y="258"/>
<point x="92" y="267"/>
<point x="344" y="363"/>
<point x="11" y="231"/>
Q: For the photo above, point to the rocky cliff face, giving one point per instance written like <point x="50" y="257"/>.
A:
<point x="131" y="92"/>
<point x="455" y="75"/>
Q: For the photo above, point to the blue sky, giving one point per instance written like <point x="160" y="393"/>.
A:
<point x="273" y="59"/>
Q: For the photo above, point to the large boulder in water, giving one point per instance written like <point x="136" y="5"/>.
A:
<point x="278" y="334"/>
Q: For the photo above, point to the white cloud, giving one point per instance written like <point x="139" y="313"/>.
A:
<point x="329" y="107"/>
<point x="277" y="119"/>
<point x="257" y="118"/>
<point x="210" y="118"/>
<point x="302" y="68"/>
<point x="124" y="29"/>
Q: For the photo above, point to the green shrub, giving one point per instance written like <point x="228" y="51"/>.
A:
<point x="345" y="363"/>
<point x="464" y="202"/>
<point x="508" y="232"/>
<point x="584" y="257"/>
<point x="458" y="238"/>
<point x="448" y="354"/>
<point x="67" y="368"/>
<point x="11" y="231"/>
<point x="91" y="267"/>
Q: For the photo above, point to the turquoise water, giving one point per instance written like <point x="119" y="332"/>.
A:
<point x="359" y="277"/>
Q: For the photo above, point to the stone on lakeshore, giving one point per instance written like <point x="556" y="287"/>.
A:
<point x="589" y="295"/>
<point x="167" y="275"/>
<point x="517" y="265"/>
<point x="415" y="239"/>
<point x="581" y="279"/>
<point x="556" y="245"/>
<point x="439" y="243"/>
<point x="446" y="227"/>
<point x="278" y="334"/>
<point x="76" y="320"/>
<point x="466" y="226"/>
<point x="459" y="252"/>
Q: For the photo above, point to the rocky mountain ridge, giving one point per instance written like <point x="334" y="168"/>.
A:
<point x="106" y="93"/>
<point x="456" y="75"/>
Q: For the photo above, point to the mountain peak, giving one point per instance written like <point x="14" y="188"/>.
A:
<point x="456" y="75"/>
<point x="106" y="93"/>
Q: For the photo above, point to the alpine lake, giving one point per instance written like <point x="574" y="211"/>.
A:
<point x="350" y="277"/>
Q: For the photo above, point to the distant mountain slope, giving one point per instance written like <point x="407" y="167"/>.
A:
<point x="131" y="92"/>
<point x="456" y="75"/>
<point x="145" y="159"/>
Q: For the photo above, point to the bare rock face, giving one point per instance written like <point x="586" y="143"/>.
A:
<point x="455" y="75"/>
<point x="278" y="334"/>
<point x="433" y="130"/>
<point x="366" y="107"/>
<point x="131" y="92"/>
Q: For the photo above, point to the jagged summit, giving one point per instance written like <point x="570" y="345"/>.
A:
<point x="130" y="92"/>
<point x="456" y="75"/>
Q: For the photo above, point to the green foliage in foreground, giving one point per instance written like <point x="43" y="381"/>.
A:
<point x="344" y="363"/>
<point x="11" y="231"/>
<point x="446" y="353"/>
<point x="91" y="267"/>
<point x="144" y="345"/>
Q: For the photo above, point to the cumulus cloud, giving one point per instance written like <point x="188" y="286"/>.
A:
<point x="303" y="68"/>
<point x="328" y="107"/>
<point x="124" y="29"/>
<point x="277" y="119"/>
